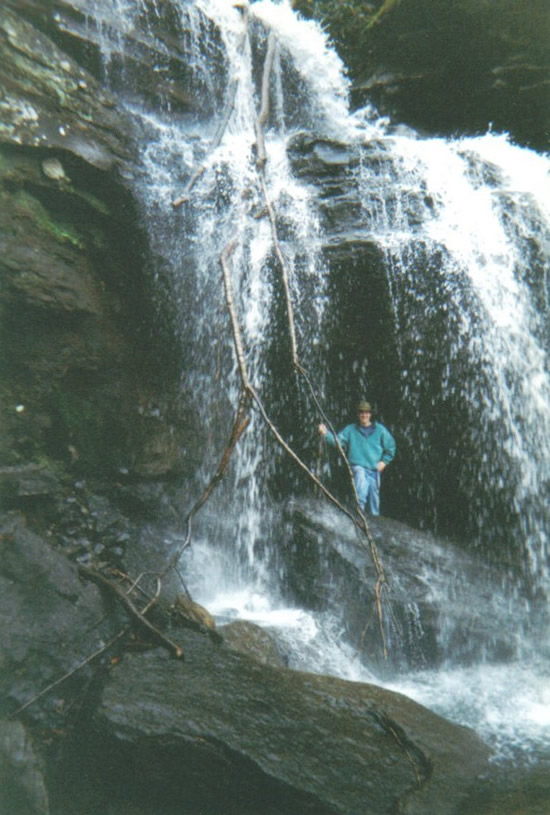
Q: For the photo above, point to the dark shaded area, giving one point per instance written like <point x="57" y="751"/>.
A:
<point x="449" y="67"/>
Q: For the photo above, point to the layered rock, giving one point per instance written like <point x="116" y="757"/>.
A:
<point x="83" y="391"/>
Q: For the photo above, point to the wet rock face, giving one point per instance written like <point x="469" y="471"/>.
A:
<point x="80" y="380"/>
<point x="452" y="67"/>
<point x="443" y="600"/>
<point x="50" y="101"/>
<point x="51" y="621"/>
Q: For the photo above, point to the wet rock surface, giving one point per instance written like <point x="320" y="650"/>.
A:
<point x="276" y="740"/>
<point x="449" y="68"/>
<point x="442" y="599"/>
<point x="51" y="622"/>
<point x="219" y="729"/>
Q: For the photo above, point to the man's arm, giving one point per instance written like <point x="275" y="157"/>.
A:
<point x="329" y="436"/>
<point x="388" y="448"/>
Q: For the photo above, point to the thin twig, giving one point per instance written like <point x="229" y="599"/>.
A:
<point x="70" y="673"/>
<point x="239" y="426"/>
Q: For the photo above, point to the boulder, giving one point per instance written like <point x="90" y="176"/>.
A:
<point x="249" y="638"/>
<point x="223" y="732"/>
<point x="439" y="601"/>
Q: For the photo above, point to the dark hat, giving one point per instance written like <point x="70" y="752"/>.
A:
<point x="364" y="406"/>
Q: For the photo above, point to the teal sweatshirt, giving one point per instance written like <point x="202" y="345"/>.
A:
<point x="365" y="451"/>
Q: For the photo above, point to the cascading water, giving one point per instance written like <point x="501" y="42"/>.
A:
<point x="462" y="229"/>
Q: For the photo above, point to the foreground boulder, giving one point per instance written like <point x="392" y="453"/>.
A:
<point x="221" y="732"/>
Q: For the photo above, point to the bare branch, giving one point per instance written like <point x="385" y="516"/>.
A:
<point x="239" y="426"/>
<point x="230" y="300"/>
<point x="134" y="612"/>
<point x="261" y="155"/>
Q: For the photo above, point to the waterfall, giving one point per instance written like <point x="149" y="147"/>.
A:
<point x="461" y="229"/>
<point x="483" y="249"/>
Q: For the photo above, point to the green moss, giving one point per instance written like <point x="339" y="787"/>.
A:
<point x="386" y="6"/>
<point x="27" y="206"/>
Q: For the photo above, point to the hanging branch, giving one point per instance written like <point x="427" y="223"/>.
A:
<point x="261" y="154"/>
<point x="284" y="275"/>
<point x="250" y="390"/>
<point x="360" y="521"/>
<point x="239" y="426"/>
<point x="230" y="300"/>
<point x="247" y="390"/>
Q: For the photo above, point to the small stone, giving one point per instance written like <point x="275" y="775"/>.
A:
<point x="52" y="168"/>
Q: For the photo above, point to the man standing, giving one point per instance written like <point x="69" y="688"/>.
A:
<point x="369" y="447"/>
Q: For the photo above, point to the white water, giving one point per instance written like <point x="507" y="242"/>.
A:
<point x="483" y="271"/>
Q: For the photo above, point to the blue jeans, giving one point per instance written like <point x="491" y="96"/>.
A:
<point x="367" y="485"/>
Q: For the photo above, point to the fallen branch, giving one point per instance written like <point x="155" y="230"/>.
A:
<point x="248" y="388"/>
<point x="135" y="614"/>
<point x="359" y="518"/>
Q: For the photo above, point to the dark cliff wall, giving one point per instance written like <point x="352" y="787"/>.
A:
<point x="85" y="369"/>
<point x="448" y="67"/>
